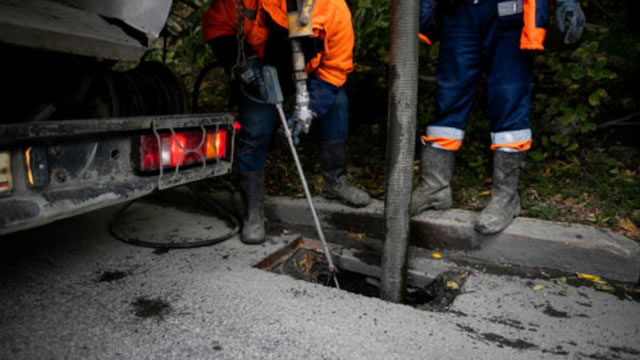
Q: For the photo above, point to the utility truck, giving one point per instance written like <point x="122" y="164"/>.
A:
<point x="77" y="135"/>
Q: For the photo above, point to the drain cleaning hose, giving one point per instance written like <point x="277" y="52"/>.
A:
<point x="211" y="205"/>
<point x="403" y="93"/>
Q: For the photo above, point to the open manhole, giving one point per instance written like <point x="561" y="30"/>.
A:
<point x="303" y="259"/>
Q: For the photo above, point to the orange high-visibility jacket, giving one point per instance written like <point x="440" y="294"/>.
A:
<point x="330" y="20"/>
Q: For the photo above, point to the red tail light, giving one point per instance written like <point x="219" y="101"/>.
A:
<point x="183" y="148"/>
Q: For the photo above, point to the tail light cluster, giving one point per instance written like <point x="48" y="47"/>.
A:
<point x="183" y="148"/>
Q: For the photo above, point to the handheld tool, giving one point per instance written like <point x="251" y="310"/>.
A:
<point x="275" y="97"/>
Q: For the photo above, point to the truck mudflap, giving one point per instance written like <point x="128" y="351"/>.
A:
<point x="65" y="168"/>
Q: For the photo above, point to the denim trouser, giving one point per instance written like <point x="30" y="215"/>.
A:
<point x="258" y="120"/>
<point x="474" y="36"/>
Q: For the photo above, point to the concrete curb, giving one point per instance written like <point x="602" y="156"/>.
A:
<point x="527" y="242"/>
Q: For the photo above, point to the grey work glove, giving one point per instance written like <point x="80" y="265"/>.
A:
<point x="300" y="122"/>
<point x="570" y="20"/>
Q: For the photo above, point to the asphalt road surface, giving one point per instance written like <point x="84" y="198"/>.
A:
<point x="69" y="290"/>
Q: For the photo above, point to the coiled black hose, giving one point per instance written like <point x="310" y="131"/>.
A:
<point x="212" y="206"/>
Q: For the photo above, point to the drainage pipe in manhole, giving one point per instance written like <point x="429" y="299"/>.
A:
<point x="401" y="121"/>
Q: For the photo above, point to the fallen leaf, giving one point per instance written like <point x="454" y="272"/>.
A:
<point x="306" y="264"/>
<point x="607" y="288"/>
<point x="355" y="235"/>
<point x="436" y="255"/>
<point x="453" y="285"/>
<point x="485" y="193"/>
<point x="588" y="277"/>
<point x="628" y="225"/>
<point x="538" y="287"/>
<point x="560" y="280"/>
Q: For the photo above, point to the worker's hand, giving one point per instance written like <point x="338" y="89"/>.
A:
<point x="251" y="78"/>
<point x="570" y="20"/>
<point x="300" y="122"/>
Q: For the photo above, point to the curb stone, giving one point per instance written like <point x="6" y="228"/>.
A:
<point x="527" y="242"/>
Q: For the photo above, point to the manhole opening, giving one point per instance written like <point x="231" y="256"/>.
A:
<point x="303" y="260"/>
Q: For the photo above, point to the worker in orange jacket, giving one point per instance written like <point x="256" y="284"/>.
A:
<point x="498" y="35"/>
<point x="258" y="37"/>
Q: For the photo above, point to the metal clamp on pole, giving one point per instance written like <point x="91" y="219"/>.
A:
<point x="299" y="17"/>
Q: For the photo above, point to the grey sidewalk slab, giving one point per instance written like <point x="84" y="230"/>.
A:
<point x="527" y="242"/>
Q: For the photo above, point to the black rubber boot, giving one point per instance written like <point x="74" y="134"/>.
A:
<point x="252" y="185"/>
<point x="434" y="188"/>
<point x="504" y="205"/>
<point x="333" y="158"/>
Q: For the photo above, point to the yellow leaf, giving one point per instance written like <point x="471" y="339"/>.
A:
<point x="628" y="225"/>
<point x="355" y="235"/>
<point x="607" y="288"/>
<point x="453" y="285"/>
<point x="538" y="287"/>
<point x="436" y="255"/>
<point x="588" y="277"/>
<point x="485" y="193"/>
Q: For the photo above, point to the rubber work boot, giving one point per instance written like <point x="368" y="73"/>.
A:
<point x="335" y="186"/>
<point x="252" y="185"/>
<point x="434" y="188"/>
<point x="504" y="205"/>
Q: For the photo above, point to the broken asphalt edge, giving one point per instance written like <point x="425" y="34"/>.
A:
<point x="568" y="248"/>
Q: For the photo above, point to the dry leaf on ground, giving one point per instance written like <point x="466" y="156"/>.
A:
<point x="627" y="225"/>
<point x="538" y="287"/>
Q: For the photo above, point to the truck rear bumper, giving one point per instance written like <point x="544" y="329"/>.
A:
<point x="90" y="164"/>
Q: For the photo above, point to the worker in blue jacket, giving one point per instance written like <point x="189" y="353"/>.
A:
<point x="499" y="35"/>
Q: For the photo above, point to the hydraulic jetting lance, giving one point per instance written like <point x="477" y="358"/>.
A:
<point x="275" y="97"/>
<point x="327" y="254"/>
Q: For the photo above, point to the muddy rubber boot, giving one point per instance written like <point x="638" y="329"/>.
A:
<point x="252" y="185"/>
<point x="434" y="188"/>
<point x="335" y="186"/>
<point x="504" y="205"/>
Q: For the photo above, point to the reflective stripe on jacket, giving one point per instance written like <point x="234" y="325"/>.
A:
<point x="331" y="23"/>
